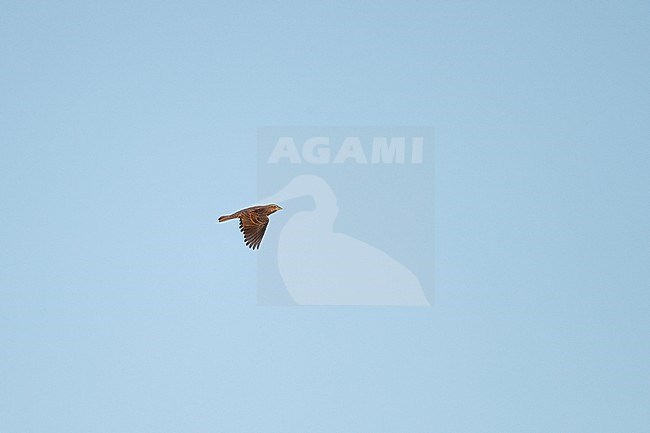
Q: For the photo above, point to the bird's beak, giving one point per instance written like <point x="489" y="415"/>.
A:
<point x="279" y="208"/>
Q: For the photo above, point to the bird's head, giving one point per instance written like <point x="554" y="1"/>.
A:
<point x="274" y="208"/>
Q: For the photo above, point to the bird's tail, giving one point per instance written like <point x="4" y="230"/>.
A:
<point x="226" y="217"/>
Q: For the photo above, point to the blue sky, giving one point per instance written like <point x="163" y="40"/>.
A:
<point x="127" y="128"/>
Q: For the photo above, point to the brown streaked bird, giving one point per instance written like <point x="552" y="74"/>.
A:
<point x="252" y="222"/>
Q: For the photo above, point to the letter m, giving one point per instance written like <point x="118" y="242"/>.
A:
<point x="388" y="152"/>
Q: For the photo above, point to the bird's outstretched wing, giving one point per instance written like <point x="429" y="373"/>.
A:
<point x="253" y="225"/>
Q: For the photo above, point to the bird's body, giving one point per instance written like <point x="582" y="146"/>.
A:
<point x="252" y="222"/>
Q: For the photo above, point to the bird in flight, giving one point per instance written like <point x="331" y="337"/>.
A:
<point x="252" y="222"/>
